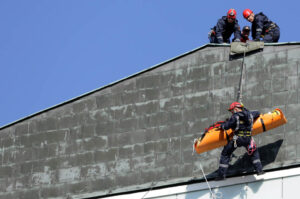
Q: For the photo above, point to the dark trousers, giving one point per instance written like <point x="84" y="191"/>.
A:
<point x="229" y="149"/>
<point x="272" y="36"/>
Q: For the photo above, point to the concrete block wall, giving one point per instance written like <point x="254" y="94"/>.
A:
<point x="139" y="132"/>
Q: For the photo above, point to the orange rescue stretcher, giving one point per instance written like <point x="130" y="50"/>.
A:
<point x="215" y="137"/>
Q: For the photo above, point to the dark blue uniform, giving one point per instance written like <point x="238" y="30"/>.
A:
<point x="241" y="123"/>
<point x="263" y="27"/>
<point x="223" y="30"/>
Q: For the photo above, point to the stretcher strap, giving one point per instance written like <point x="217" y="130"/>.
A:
<point x="263" y="124"/>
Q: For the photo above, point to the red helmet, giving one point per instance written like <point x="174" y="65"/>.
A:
<point x="235" y="105"/>
<point x="247" y="13"/>
<point x="231" y="13"/>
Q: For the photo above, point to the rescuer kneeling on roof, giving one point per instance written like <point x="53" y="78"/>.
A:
<point x="262" y="27"/>
<point x="241" y="123"/>
<point x="225" y="27"/>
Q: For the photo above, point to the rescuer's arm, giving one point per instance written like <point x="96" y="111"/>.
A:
<point x="219" y="30"/>
<point x="231" y="123"/>
<point x="237" y="32"/>
<point x="259" y="28"/>
<point x="255" y="114"/>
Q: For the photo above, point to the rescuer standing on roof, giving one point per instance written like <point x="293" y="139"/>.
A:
<point x="262" y="27"/>
<point x="225" y="27"/>
<point x="241" y="123"/>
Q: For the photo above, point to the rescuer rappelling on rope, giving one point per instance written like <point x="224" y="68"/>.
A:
<point x="241" y="122"/>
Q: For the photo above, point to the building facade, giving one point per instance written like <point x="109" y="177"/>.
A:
<point x="137" y="134"/>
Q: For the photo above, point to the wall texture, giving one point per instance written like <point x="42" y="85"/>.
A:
<point x="139" y="132"/>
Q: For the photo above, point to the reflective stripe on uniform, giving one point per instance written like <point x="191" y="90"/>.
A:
<point x="246" y="133"/>
<point x="224" y="165"/>
<point x="251" y="116"/>
<point x="258" y="29"/>
<point x="237" y="123"/>
<point x="220" y="37"/>
<point x="256" y="161"/>
<point x="243" y="133"/>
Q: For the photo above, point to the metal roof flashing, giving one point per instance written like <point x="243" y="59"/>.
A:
<point x="181" y="189"/>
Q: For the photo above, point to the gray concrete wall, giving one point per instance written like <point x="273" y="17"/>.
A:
<point x="139" y="132"/>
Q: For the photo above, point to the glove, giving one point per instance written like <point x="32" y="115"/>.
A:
<point x="212" y="32"/>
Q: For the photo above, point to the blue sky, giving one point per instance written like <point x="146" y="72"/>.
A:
<point x="54" y="50"/>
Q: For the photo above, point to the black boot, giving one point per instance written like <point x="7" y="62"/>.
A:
<point x="260" y="172"/>
<point x="219" y="177"/>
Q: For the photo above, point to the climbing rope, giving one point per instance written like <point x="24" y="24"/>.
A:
<point x="217" y="195"/>
<point x="213" y="195"/>
<point x="239" y="96"/>
<point x="151" y="187"/>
